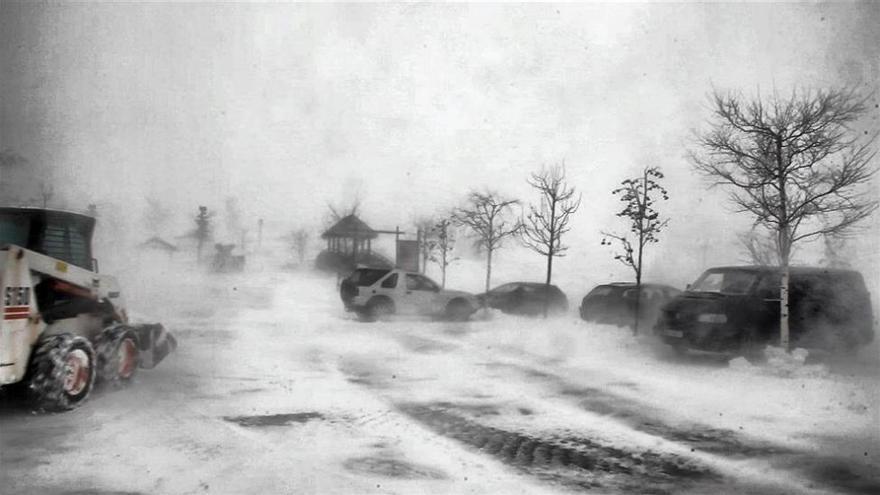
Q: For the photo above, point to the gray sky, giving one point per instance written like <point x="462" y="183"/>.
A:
<point x="288" y="107"/>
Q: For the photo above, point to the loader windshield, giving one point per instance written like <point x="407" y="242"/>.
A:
<point x="66" y="236"/>
<point x="14" y="229"/>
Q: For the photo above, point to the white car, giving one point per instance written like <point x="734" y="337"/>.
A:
<point x="376" y="293"/>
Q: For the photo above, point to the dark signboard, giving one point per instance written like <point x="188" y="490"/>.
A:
<point x="408" y="255"/>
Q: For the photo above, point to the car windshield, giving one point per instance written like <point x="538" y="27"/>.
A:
<point x="418" y="282"/>
<point x="365" y="277"/>
<point x="725" y="282"/>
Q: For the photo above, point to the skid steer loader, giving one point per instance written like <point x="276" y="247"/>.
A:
<point x="64" y="325"/>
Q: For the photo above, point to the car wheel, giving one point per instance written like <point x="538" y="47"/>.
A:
<point x="751" y="346"/>
<point x="458" y="310"/>
<point x="380" y="310"/>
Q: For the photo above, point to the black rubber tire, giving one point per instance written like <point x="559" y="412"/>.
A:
<point x="751" y="346"/>
<point x="117" y="355"/>
<point x="379" y="309"/>
<point x="347" y="291"/>
<point x="458" y="310"/>
<point x="48" y="372"/>
<point x="679" y="350"/>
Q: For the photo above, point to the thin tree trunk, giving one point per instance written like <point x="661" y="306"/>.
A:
<point x="488" y="269"/>
<point x="784" y="250"/>
<point x="643" y="204"/>
<point x="547" y="283"/>
<point x="443" y="269"/>
<point x="550" y="252"/>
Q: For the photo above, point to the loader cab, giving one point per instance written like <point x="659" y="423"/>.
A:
<point x="62" y="235"/>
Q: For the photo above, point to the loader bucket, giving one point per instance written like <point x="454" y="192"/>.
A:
<point x="154" y="344"/>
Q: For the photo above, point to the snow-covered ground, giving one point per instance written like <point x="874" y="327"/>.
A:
<point x="275" y="389"/>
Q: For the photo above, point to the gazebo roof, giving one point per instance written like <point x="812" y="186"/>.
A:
<point x="351" y="227"/>
<point x="156" y="242"/>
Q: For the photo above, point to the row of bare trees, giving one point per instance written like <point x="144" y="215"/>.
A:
<point x="798" y="165"/>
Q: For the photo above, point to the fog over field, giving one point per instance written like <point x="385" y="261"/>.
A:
<point x="273" y="114"/>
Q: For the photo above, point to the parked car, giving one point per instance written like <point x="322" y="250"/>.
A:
<point x="615" y="303"/>
<point x="737" y="308"/>
<point x="526" y="298"/>
<point x="376" y="293"/>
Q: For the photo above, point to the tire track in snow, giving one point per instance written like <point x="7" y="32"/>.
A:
<point x="818" y="472"/>
<point x="578" y="463"/>
<point x="838" y="474"/>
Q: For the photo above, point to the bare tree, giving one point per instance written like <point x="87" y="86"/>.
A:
<point x="796" y="164"/>
<point x="544" y="225"/>
<point x="338" y="211"/>
<point x="445" y="243"/>
<point x="156" y="216"/>
<point x="639" y="196"/>
<point x="47" y="192"/>
<point x="300" y="239"/>
<point x="486" y="216"/>
<point x="835" y="246"/>
<point x="759" y="248"/>
<point x="427" y="237"/>
<point x="202" y="232"/>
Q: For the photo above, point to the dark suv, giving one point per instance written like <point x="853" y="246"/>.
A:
<point x="736" y="308"/>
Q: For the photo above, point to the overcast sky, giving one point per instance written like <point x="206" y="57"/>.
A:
<point x="289" y="107"/>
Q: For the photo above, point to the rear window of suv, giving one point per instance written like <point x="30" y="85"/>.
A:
<point x="365" y="277"/>
<point x="602" y="290"/>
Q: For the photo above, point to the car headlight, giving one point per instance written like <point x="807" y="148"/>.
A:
<point x="712" y="318"/>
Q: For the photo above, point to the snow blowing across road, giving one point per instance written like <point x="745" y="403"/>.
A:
<point x="276" y="389"/>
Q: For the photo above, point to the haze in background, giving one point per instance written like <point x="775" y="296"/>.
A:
<point x="289" y="107"/>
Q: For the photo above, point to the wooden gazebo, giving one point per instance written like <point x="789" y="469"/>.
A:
<point x="350" y="237"/>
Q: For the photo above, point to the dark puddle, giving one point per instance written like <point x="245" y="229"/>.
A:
<point x="844" y="475"/>
<point x="392" y="468"/>
<point x="274" y="419"/>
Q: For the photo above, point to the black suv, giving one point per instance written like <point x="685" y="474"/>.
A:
<point x="736" y="308"/>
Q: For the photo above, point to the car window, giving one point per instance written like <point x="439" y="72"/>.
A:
<point x="768" y="287"/>
<point x="418" y="282"/>
<point x="725" y="282"/>
<point x="390" y="282"/>
<point x="601" y="291"/>
<point x="501" y="289"/>
<point x="365" y="277"/>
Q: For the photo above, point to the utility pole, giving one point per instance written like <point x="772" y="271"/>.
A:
<point x="397" y="245"/>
